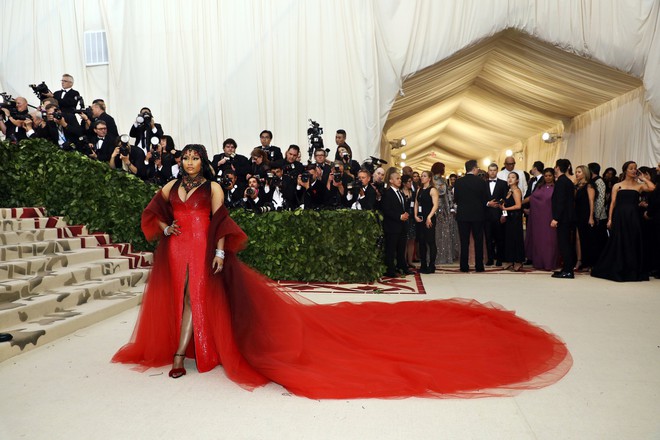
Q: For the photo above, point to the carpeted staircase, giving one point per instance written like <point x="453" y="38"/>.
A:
<point x="56" y="279"/>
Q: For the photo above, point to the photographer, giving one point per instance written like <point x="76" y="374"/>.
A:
<point x="35" y="126"/>
<point x="228" y="160"/>
<point x="102" y="143"/>
<point x="127" y="157"/>
<point x="160" y="161"/>
<point x="234" y="192"/>
<point x="144" y="128"/>
<point x="63" y="129"/>
<point x="98" y="113"/>
<point x="320" y="161"/>
<point x="253" y="198"/>
<point x="351" y="166"/>
<point x="291" y="169"/>
<point x="67" y="98"/>
<point x="14" y="127"/>
<point x="313" y="191"/>
<point x="273" y="186"/>
<point x="272" y="152"/>
<point x="258" y="165"/>
<point x="337" y="187"/>
<point x="364" y="196"/>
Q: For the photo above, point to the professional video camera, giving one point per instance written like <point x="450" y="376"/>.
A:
<point x="143" y="118"/>
<point x="315" y="140"/>
<point x="372" y="163"/>
<point x="41" y="90"/>
<point x="124" y="147"/>
<point x="6" y="101"/>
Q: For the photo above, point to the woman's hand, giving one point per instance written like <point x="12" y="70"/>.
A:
<point x="429" y="223"/>
<point x="217" y="265"/>
<point x="609" y="224"/>
<point x="418" y="219"/>
<point x="591" y="221"/>
<point x="172" y="229"/>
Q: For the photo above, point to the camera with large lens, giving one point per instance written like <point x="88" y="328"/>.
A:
<point x="57" y="114"/>
<point x="143" y="118"/>
<point x="251" y="192"/>
<point x="41" y="90"/>
<point x="124" y="148"/>
<point x="6" y="101"/>
<point x="304" y="176"/>
<point x="225" y="182"/>
<point x="18" y="116"/>
<point x="86" y="111"/>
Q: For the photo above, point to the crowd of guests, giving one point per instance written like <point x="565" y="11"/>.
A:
<point x="576" y="220"/>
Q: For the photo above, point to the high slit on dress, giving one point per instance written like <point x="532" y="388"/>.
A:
<point x="259" y="333"/>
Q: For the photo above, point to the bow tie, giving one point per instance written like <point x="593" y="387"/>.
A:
<point x="494" y="180"/>
<point x="101" y="139"/>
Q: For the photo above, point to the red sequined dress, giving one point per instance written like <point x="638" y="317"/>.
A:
<point x="258" y="333"/>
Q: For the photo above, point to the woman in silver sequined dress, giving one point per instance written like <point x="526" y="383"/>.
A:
<point x="446" y="233"/>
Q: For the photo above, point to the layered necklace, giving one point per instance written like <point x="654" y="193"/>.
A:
<point x="190" y="183"/>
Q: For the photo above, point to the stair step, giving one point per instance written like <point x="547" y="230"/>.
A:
<point x="18" y="251"/>
<point x="65" y="321"/>
<point x="22" y="286"/>
<point x="24" y="236"/>
<point x="34" y="307"/>
<point x="42" y="263"/>
<point x="22" y="212"/>
<point x="15" y="224"/>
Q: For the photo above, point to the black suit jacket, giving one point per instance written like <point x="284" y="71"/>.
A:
<point x="70" y="101"/>
<point x="241" y="165"/>
<point x="471" y="193"/>
<point x="109" y="122"/>
<point x="499" y="193"/>
<point x="563" y="200"/>
<point x="104" y="153"/>
<point x="72" y="132"/>
<point x="368" y="202"/>
<point x="392" y="211"/>
<point x="143" y="135"/>
<point x="315" y="196"/>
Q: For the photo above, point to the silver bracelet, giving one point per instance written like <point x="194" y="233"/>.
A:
<point x="220" y="253"/>
<point x="166" y="229"/>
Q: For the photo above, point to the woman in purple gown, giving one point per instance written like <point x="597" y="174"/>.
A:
<point x="541" y="239"/>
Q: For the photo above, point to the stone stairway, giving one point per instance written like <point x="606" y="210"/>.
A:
<point x="56" y="279"/>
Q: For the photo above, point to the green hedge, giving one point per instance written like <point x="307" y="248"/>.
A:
<point x="293" y="245"/>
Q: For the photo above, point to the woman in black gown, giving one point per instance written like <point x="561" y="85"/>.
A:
<point x="622" y="258"/>
<point x="426" y="206"/>
<point x="514" y="243"/>
<point x="585" y="197"/>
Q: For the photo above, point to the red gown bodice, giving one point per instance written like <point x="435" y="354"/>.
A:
<point x="444" y="348"/>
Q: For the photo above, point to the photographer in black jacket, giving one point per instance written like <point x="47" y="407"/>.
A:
<point x="313" y="192"/>
<point x="229" y="160"/>
<point x="64" y="130"/>
<point x="144" y="128"/>
<point x="291" y="169"/>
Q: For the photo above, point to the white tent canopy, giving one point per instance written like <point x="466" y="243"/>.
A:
<point x="216" y="69"/>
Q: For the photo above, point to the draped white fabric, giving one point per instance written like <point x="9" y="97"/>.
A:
<point x="216" y="69"/>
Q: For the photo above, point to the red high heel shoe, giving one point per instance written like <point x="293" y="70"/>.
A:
<point x="176" y="373"/>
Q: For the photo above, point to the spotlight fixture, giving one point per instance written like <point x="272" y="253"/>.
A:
<point x="403" y="156"/>
<point x="549" y="138"/>
<point x="398" y="143"/>
<point x="403" y="164"/>
<point x="486" y="162"/>
<point x="508" y="153"/>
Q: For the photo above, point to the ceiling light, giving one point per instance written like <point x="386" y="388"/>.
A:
<point x="550" y="137"/>
<point x="508" y="153"/>
<point x="486" y="162"/>
<point x="403" y="164"/>
<point x="403" y="156"/>
<point x="397" y="143"/>
<point x="403" y="142"/>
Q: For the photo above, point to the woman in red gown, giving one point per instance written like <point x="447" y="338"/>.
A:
<point x="234" y="317"/>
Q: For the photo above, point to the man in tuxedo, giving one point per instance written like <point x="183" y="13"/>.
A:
<point x="230" y="160"/>
<point x="274" y="153"/>
<point x="291" y="169"/>
<point x="365" y="196"/>
<point x="68" y="99"/>
<point x="14" y="127"/>
<point x="563" y="218"/>
<point x="320" y="161"/>
<point x="63" y="128"/>
<point x="102" y="144"/>
<point x="395" y="217"/>
<point x="493" y="228"/>
<point x="232" y="189"/>
<point x="314" y="192"/>
<point x="471" y="194"/>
